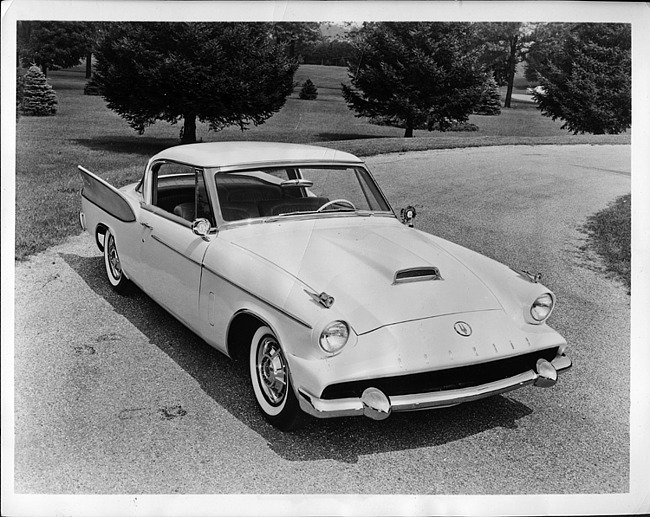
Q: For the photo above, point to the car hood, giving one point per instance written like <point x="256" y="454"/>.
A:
<point x="355" y="259"/>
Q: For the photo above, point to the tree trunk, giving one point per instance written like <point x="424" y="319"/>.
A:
<point x="408" y="124"/>
<point x="188" y="134"/>
<point x="512" y="66"/>
<point x="89" y="66"/>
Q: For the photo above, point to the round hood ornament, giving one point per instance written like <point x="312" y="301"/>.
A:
<point x="463" y="328"/>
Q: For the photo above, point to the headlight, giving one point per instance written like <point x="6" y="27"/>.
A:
<point x="542" y="307"/>
<point x="334" y="337"/>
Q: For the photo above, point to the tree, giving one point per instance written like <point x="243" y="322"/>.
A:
<point x="547" y="40"/>
<point x="414" y="75"/>
<point x="220" y="73"/>
<point x="504" y="45"/>
<point x="308" y="90"/>
<point x="38" y="97"/>
<point x="20" y="90"/>
<point x="52" y="44"/>
<point x="334" y="52"/>
<point x="588" y="83"/>
<point x="93" y="33"/>
<point x="490" y="101"/>
<point x="297" y="35"/>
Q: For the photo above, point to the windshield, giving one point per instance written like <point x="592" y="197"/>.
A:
<point x="297" y="190"/>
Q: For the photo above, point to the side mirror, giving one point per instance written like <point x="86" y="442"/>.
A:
<point x="408" y="215"/>
<point x="201" y="227"/>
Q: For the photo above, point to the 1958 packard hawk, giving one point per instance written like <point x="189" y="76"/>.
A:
<point x="290" y="257"/>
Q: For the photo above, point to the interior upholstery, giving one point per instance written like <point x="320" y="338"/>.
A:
<point x="239" y="211"/>
<point x="185" y="210"/>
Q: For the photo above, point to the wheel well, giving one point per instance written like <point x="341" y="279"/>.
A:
<point x="240" y="332"/>
<point x="100" y="230"/>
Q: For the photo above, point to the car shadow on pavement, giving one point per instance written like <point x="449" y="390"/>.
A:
<point x="341" y="439"/>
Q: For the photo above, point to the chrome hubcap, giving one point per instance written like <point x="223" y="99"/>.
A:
<point x="114" y="259"/>
<point x="272" y="371"/>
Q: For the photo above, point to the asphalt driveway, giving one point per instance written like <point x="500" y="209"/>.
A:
<point x="114" y="396"/>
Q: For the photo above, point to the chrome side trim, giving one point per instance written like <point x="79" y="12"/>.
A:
<point x="259" y="298"/>
<point x="322" y="408"/>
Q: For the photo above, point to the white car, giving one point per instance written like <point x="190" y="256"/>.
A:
<point x="291" y="258"/>
<point x="537" y="90"/>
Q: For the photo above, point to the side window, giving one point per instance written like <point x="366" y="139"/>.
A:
<point x="180" y="190"/>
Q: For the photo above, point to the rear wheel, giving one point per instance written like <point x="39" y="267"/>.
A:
<point x="271" y="381"/>
<point x="113" y="265"/>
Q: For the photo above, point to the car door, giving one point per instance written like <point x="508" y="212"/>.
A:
<point x="171" y="253"/>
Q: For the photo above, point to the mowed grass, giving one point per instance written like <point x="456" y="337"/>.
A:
<point x="85" y="132"/>
<point x="609" y="233"/>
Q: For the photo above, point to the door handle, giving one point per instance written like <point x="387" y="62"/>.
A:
<point x="146" y="225"/>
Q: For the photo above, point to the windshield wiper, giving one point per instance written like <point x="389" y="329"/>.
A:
<point x="272" y="218"/>
<point x="361" y="213"/>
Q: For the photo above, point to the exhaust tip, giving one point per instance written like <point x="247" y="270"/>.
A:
<point x="546" y="374"/>
<point x="375" y="404"/>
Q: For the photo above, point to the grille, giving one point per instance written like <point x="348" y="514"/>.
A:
<point x="441" y="380"/>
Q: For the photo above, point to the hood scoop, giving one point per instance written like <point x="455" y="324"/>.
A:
<point x="417" y="274"/>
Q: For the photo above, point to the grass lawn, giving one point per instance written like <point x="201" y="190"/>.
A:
<point x="85" y="132"/>
<point x="609" y="233"/>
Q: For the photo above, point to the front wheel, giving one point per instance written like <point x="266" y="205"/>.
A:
<point x="113" y="265"/>
<point x="271" y="381"/>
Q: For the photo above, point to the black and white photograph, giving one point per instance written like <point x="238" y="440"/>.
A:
<point x="325" y="258"/>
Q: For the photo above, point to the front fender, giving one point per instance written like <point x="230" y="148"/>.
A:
<point x="514" y="290"/>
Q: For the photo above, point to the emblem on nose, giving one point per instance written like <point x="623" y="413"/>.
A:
<point x="462" y="328"/>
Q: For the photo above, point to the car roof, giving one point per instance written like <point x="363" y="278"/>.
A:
<point x="228" y="154"/>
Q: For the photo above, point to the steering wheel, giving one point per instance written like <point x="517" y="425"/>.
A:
<point x="336" y="201"/>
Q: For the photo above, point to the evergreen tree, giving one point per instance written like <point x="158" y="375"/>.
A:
<point x="53" y="43"/>
<point x="588" y="84"/>
<point x="308" y="91"/>
<point x="547" y="41"/>
<point x="414" y="75"/>
<point x="20" y="88"/>
<point x="490" y="102"/>
<point x="220" y="73"/>
<point x="38" y="97"/>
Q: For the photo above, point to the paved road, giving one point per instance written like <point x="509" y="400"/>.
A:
<point x="524" y="97"/>
<point x="114" y="396"/>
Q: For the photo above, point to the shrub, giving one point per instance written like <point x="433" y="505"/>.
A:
<point x="38" y="97"/>
<point x="309" y="90"/>
<point x="490" y="101"/>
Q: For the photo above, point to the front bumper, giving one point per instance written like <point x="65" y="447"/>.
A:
<point x="376" y="405"/>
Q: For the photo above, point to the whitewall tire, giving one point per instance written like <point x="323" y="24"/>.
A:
<point x="271" y="381"/>
<point x="113" y="265"/>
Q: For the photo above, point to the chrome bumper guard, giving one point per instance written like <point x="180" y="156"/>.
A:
<point x="374" y="404"/>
